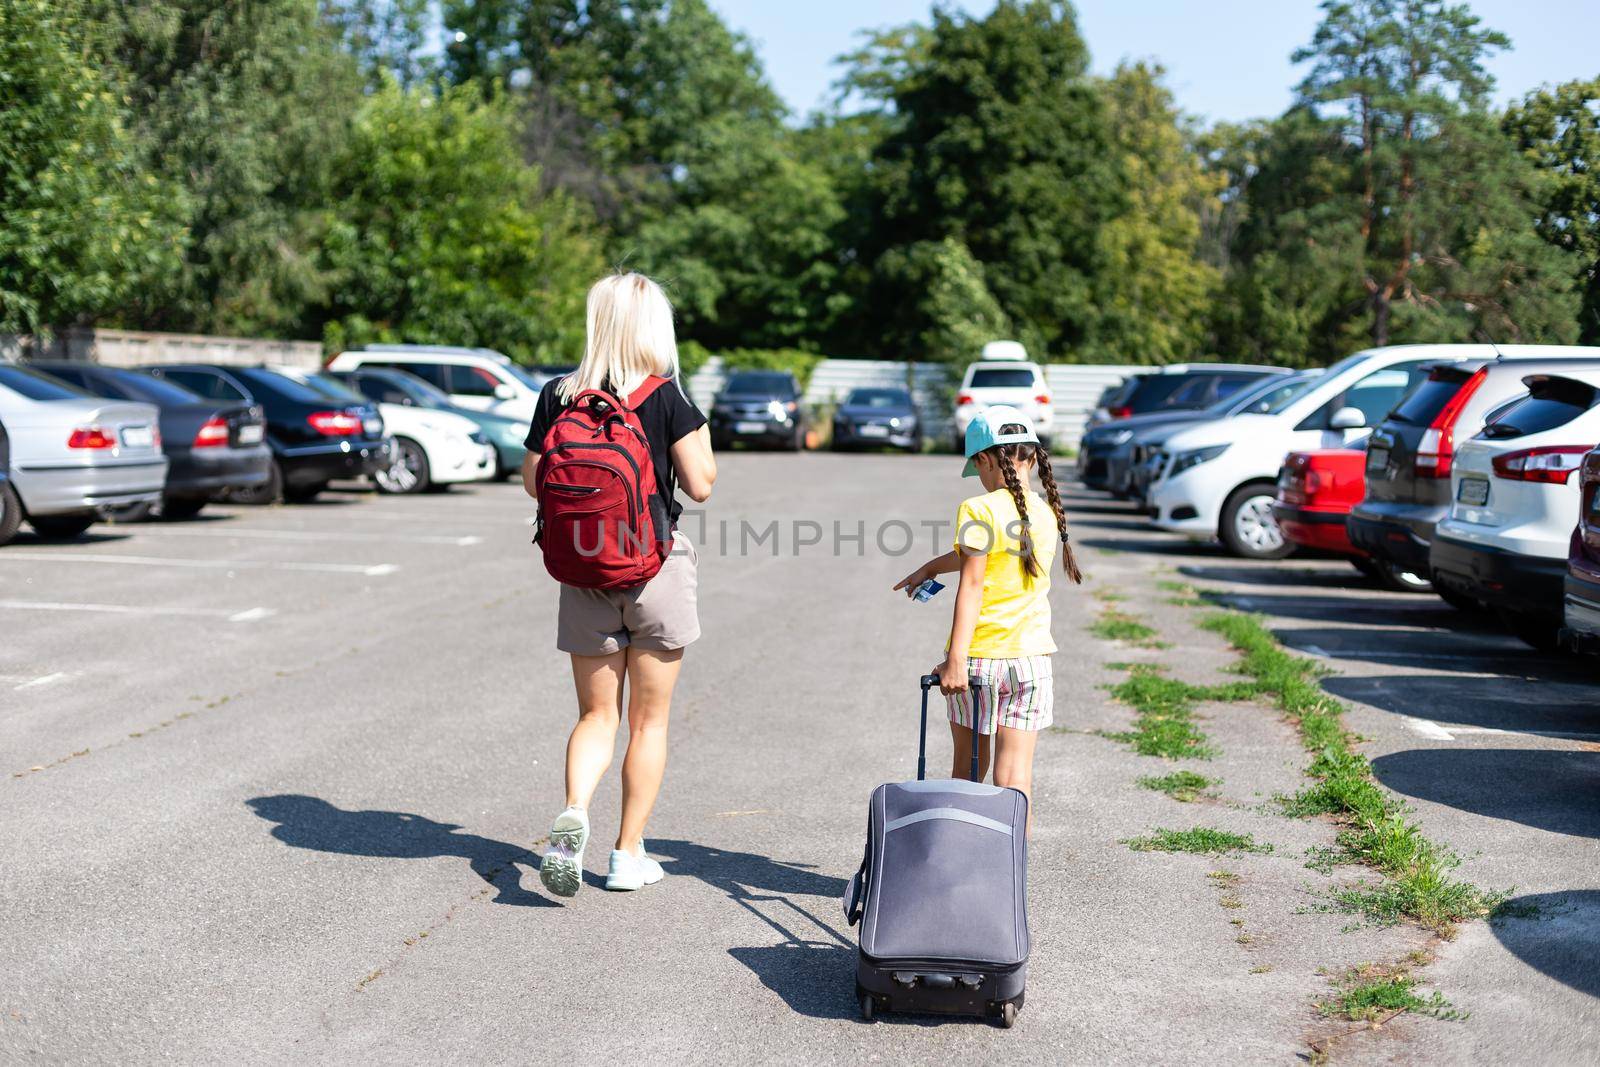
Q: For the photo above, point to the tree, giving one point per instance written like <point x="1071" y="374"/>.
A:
<point x="1001" y="143"/>
<point x="1405" y="84"/>
<point x="80" y="228"/>
<point x="1558" y="131"/>
<point x="385" y="36"/>
<point x="443" y="235"/>
<point x="1152" y="294"/>
<point x="241" y="107"/>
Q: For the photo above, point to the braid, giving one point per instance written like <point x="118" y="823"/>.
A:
<point x="1014" y="487"/>
<point x="1048" y="476"/>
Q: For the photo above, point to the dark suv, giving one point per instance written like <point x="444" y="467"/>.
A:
<point x="314" y="439"/>
<point x="758" y="407"/>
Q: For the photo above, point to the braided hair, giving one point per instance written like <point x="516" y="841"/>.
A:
<point x="1007" y="457"/>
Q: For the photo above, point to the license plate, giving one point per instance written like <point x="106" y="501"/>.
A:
<point x="749" y="427"/>
<point x="1473" y="491"/>
<point x="372" y="426"/>
<point x="250" y="434"/>
<point x="138" y="436"/>
<point x="1377" y="459"/>
<point x="873" y="431"/>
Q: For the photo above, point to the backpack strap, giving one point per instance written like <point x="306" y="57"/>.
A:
<point x="643" y="393"/>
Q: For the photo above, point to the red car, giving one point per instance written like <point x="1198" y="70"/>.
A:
<point x="1316" y="490"/>
<point x="1582" y="586"/>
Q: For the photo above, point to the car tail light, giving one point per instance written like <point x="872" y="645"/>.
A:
<point x="1121" y="413"/>
<point x="335" y="423"/>
<point x="91" y="437"/>
<point x="1042" y="398"/>
<point x="1437" y="448"/>
<point x="963" y="400"/>
<point x="1553" y="464"/>
<point x="214" y="434"/>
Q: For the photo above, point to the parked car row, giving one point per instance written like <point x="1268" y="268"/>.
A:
<point x="82" y="440"/>
<point x="1469" y="470"/>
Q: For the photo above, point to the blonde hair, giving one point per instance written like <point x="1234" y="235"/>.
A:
<point x="630" y="337"/>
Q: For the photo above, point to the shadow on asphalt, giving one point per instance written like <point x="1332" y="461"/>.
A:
<point x="1133" y="546"/>
<point x="1547" y="788"/>
<point x="313" y="823"/>
<point x="1509" y="704"/>
<point x="1559" y="937"/>
<point x="814" y="977"/>
<point x="1468" y="653"/>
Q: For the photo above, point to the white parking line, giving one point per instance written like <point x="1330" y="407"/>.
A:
<point x="1438" y="732"/>
<point x="309" y="535"/>
<point x="43" y="679"/>
<point x="247" y="615"/>
<point x="371" y="570"/>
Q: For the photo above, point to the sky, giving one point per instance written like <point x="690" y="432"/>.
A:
<point x="1226" y="59"/>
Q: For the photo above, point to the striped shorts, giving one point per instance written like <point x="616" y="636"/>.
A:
<point x="1016" y="693"/>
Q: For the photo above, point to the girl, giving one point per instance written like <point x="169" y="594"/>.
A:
<point x="1004" y="545"/>
<point x="634" y="636"/>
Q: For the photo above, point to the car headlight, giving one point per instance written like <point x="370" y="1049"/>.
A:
<point x="894" y="423"/>
<point x="1187" y="460"/>
<point x="1121" y="437"/>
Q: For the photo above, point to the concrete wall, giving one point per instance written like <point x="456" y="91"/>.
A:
<point x="122" y="348"/>
<point x="1074" y="387"/>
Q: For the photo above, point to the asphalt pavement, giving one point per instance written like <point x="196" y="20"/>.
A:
<point x="272" y="783"/>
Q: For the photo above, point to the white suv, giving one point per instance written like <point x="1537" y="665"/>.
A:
<point x="1017" y="383"/>
<point x="1218" y="479"/>
<point x="1515" y="499"/>
<point x="477" y="378"/>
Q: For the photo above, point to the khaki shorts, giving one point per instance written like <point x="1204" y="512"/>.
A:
<point x="659" y="615"/>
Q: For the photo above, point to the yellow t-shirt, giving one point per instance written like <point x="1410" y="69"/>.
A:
<point x="1014" y="619"/>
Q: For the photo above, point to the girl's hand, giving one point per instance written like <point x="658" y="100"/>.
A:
<point x="910" y="582"/>
<point x="952" y="676"/>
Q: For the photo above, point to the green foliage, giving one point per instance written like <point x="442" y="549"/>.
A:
<point x="1373" y="993"/>
<point x="81" y="227"/>
<point x="1183" y="786"/>
<point x="1202" y="839"/>
<point x="443" y="235"/>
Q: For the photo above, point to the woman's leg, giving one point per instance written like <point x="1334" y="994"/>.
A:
<point x="651" y="677"/>
<point x="1013" y="763"/>
<point x="594" y="738"/>
<point x="961" y="762"/>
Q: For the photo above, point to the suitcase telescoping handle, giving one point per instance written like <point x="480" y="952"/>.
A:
<point x="928" y="682"/>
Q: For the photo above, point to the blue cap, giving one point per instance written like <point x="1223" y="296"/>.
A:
<point x="984" y="432"/>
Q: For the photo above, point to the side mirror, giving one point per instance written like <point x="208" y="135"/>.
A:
<point x="1347" y="419"/>
<point x="504" y="392"/>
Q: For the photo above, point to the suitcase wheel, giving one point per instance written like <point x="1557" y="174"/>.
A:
<point x="866" y="1007"/>
<point x="1008" y="1015"/>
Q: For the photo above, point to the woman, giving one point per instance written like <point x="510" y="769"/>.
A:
<point x="631" y="638"/>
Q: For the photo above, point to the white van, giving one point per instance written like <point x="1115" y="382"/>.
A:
<point x="1006" y="376"/>
<point x="477" y="378"/>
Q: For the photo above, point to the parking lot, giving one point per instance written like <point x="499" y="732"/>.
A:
<point x="272" y="782"/>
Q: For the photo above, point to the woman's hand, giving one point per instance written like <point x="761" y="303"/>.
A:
<point x="910" y="582"/>
<point x="952" y="675"/>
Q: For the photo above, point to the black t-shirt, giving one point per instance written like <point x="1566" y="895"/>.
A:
<point x="666" y="415"/>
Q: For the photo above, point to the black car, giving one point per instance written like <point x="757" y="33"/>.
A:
<point x="313" y="438"/>
<point x="871" y="418"/>
<point x="758" y="407"/>
<point x="10" y="506"/>
<point x="1183" y="387"/>
<point x="212" y="446"/>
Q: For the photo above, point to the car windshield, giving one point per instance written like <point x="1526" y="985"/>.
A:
<point x="760" y="383"/>
<point x="423" y="394"/>
<point x="1429" y="397"/>
<point x="327" y="385"/>
<point x="1550" y="403"/>
<point x="878" y="398"/>
<point x="1001" y="378"/>
<point x="1279" y="394"/>
<point x="141" y="386"/>
<point x="522" y="375"/>
<point x="36" y="386"/>
<point x="287" y="384"/>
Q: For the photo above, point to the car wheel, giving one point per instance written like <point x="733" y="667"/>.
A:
<point x="1537" y="631"/>
<point x="182" y="507"/>
<point x="1249" y="528"/>
<point x="408" y="473"/>
<point x="268" y="492"/>
<point x="10" y="512"/>
<point x="62" y="526"/>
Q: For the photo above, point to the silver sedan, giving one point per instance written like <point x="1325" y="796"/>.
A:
<point x="73" y="455"/>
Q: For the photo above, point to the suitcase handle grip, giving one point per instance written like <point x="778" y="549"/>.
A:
<point x="928" y="681"/>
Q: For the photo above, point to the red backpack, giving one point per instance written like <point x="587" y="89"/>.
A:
<point x="595" y="482"/>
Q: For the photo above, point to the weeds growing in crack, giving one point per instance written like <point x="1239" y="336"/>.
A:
<point x="1114" y="625"/>
<point x="1165" y="725"/>
<point x="1184" y="786"/>
<point x="1202" y="839"/>
<point x="1372" y="992"/>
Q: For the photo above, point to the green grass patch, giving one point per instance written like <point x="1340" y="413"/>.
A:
<point x="1184" y="786"/>
<point x="1114" y="625"/>
<point x="1375" y="828"/>
<point x="1202" y="839"/>
<point x="1165" y="725"/>
<point x="1368" y="994"/>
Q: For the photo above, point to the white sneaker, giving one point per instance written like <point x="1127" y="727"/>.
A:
<point x="561" y="870"/>
<point x="632" y="870"/>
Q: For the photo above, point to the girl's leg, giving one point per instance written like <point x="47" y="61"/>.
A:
<point x="651" y="678"/>
<point x="1013" y="763"/>
<point x="961" y="762"/>
<point x="594" y="738"/>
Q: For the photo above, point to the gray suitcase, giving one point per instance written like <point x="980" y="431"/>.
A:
<point x="941" y="895"/>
